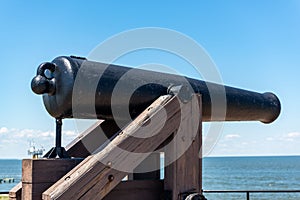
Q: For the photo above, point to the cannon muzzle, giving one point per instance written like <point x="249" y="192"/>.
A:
<point x="74" y="87"/>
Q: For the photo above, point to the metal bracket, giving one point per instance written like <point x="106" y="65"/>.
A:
<point x="183" y="92"/>
<point x="191" y="195"/>
<point x="195" y="196"/>
<point x="58" y="150"/>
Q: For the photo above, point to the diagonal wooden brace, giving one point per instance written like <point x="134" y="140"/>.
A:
<point x="99" y="173"/>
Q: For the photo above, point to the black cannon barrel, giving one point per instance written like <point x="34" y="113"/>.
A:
<point x="74" y="83"/>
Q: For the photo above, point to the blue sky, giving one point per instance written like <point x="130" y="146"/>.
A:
<point x="255" y="45"/>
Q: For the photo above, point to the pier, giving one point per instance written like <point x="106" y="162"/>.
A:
<point x="7" y="180"/>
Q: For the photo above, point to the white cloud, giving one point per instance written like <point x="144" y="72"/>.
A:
<point x="3" y="130"/>
<point x="46" y="134"/>
<point x="233" y="143"/>
<point x="70" y="133"/>
<point x="30" y="133"/>
<point x="232" y="136"/>
<point x="23" y="133"/>
<point x="17" y="140"/>
<point x="293" y="135"/>
<point x="290" y="137"/>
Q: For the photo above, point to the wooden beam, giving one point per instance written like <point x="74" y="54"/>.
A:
<point x="97" y="175"/>
<point x="16" y="192"/>
<point x="40" y="174"/>
<point x="82" y="146"/>
<point x="183" y="173"/>
<point x="136" y="190"/>
<point x="149" y="169"/>
<point x="91" y="139"/>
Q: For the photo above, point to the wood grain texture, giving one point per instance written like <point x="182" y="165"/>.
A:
<point x="92" y="138"/>
<point x="184" y="175"/>
<point x="34" y="191"/>
<point x="16" y="192"/>
<point x="137" y="190"/>
<point x="46" y="170"/>
<point x="144" y="171"/>
<point x="82" y="146"/>
<point x="96" y="176"/>
<point x="39" y="174"/>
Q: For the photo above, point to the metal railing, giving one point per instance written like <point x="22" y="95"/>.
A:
<point x="248" y="192"/>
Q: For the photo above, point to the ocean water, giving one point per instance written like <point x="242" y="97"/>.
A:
<point x="223" y="173"/>
<point x="252" y="173"/>
<point x="10" y="169"/>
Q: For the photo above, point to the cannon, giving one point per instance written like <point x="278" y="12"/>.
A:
<point x="55" y="81"/>
<point x="74" y="87"/>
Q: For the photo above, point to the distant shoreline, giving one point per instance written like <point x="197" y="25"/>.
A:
<point x="229" y="156"/>
<point x="251" y="156"/>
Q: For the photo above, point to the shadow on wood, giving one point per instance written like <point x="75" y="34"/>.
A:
<point x="100" y="174"/>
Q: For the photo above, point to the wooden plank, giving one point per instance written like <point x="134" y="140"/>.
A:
<point x="87" y="142"/>
<point x="39" y="174"/>
<point x="16" y="192"/>
<point x="93" y="180"/>
<point x="145" y="170"/>
<point x="91" y="139"/>
<point x="137" y="189"/>
<point x="46" y="170"/>
<point x="34" y="191"/>
<point x="184" y="175"/>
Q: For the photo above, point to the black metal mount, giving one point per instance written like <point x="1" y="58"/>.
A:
<point x="58" y="150"/>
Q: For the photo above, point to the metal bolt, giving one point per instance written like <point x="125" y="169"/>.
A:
<point x="67" y="178"/>
<point x="111" y="178"/>
<point x="109" y="164"/>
